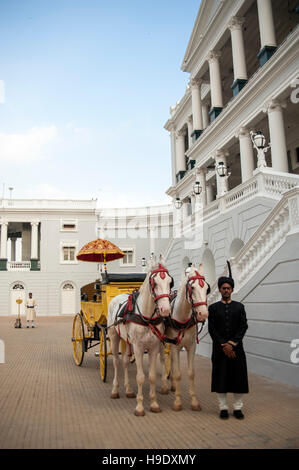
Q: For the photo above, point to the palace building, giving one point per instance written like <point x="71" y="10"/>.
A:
<point x="39" y="242"/>
<point x="235" y="165"/>
<point x="235" y="189"/>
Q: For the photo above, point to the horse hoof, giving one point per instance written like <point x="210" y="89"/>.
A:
<point x="131" y="395"/>
<point x="155" y="409"/>
<point x="114" y="395"/>
<point x="177" y="407"/>
<point x="164" y="391"/>
<point x="139" y="413"/>
<point x="196" y="407"/>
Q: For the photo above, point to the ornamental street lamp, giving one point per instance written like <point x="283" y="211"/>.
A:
<point x="178" y="203"/>
<point x="221" y="169"/>
<point x="197" y="189"/>
<point x="188" y="269"/>
<point x="259" y="142"/>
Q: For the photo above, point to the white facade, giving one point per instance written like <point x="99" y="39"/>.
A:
<point x="39" y="243"/>
<point x="243" y="62"/>
<point x="141" y="232"/>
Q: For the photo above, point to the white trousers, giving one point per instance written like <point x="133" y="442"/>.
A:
<point x="238" y="403"/>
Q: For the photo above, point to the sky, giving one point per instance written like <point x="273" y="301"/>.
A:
<point x="85" y="92"/>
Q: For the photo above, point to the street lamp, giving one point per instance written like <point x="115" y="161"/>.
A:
<point x="178" y="203"/>
<point x="197" y="189"/>
<point x="143" y="263"/>
<point x="221" y="169"/>
<point x="259" y="142"/>
<point x="188" y="269"/>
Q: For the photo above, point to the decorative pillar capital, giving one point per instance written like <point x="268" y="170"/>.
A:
<point x="180" y="133"/>
<point x="236" y="23"/>
<point x="213" y="56"/>
<point x="274" y="105"/>
<point x="195" y="82"/>
<point x="242" y="132"/>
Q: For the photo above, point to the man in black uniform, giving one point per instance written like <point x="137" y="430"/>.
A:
<point x="227" y="326"/>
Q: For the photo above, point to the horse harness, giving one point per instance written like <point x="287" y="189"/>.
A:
<point x="182" y="327"/>
<point x="126" y="312"/>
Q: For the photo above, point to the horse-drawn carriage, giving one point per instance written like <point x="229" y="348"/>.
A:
<point x="147" y="321"/>
<point x="90" y="325"/>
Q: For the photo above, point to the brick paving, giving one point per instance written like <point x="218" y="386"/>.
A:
<point x="47" y="402"/>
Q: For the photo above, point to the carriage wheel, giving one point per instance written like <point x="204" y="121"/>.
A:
<point x="167" y="360"/>
<point x="78" y="339"/>
<point x="103" y="353"/>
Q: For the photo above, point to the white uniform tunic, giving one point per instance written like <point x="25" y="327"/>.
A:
<point x="30" y="310"/>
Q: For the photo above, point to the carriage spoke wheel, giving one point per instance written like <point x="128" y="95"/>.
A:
<point x="167" y="360"/>
<point x="103" y="353"/>
<point x="78" y="339"/>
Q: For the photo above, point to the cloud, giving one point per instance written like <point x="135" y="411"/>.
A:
<point x="28" y="147"/>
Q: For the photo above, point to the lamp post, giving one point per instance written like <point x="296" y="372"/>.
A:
<point x="259" y="142"/>
<point x="178" y="203"/>
<point x="197" y="188"/>
<point x="188" y="269"/>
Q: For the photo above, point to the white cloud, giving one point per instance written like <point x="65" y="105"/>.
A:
<point x="47" y="191"/>
<point x="28" y="147"/>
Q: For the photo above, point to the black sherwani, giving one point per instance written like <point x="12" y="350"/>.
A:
<point x="227" y="322"/>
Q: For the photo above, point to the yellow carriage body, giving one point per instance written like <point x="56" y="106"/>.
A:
<point x="102" y="292"/>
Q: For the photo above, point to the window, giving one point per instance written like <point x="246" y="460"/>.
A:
<point x="68" y="251"/>
<point x="129" y="258"/>
<point x="68" y="225"/>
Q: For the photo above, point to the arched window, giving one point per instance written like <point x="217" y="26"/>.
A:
<point x="209" y="268"/>
<point x="235" y="247"/>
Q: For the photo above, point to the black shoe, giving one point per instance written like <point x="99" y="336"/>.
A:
<point x="238" y="414"/>
<point x="27" y="326"/>
<point x="224" y="414"/>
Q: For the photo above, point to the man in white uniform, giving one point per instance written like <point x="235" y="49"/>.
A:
<point x="30" y="310"/>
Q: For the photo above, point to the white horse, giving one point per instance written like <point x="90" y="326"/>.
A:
<point x="189" y="308"/>
<point x="143" y="329"/>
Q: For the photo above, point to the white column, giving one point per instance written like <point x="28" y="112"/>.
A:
<point x="277" y="137"/>
<point x="3" y="248"/>
<point x="173" y="155"/>
<point x="266" y="23"/>
<point x="180" y="152"/>
<point x="221" y="181"/>
<point x="215" y="79"/>
<point x="201" y="175"/>
<point x="13" y="249"/>
<point x="190" y="130"/>
<point x="210" y="193"/>
<point x="196" y="106"/>
<point x="238" y="51"/>
<point x="34" y="240"/>
<point x="205" y="116"/>
<point x="246" y="153"/>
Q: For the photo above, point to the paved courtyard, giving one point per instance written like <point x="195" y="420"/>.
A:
<point x="47" y="402"/>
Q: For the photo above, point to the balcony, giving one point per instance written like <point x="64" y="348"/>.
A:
<point x="21" y="266"/>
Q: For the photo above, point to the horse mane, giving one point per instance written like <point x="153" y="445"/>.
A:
<point x="146" y="280"/>
<point x="184" y="280"/>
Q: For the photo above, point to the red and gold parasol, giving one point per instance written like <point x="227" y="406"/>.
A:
<point x="100" y="251"/>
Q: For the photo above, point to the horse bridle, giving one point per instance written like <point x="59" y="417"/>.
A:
<point x="163" y="271"/>
<point x="202" y="281"/>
